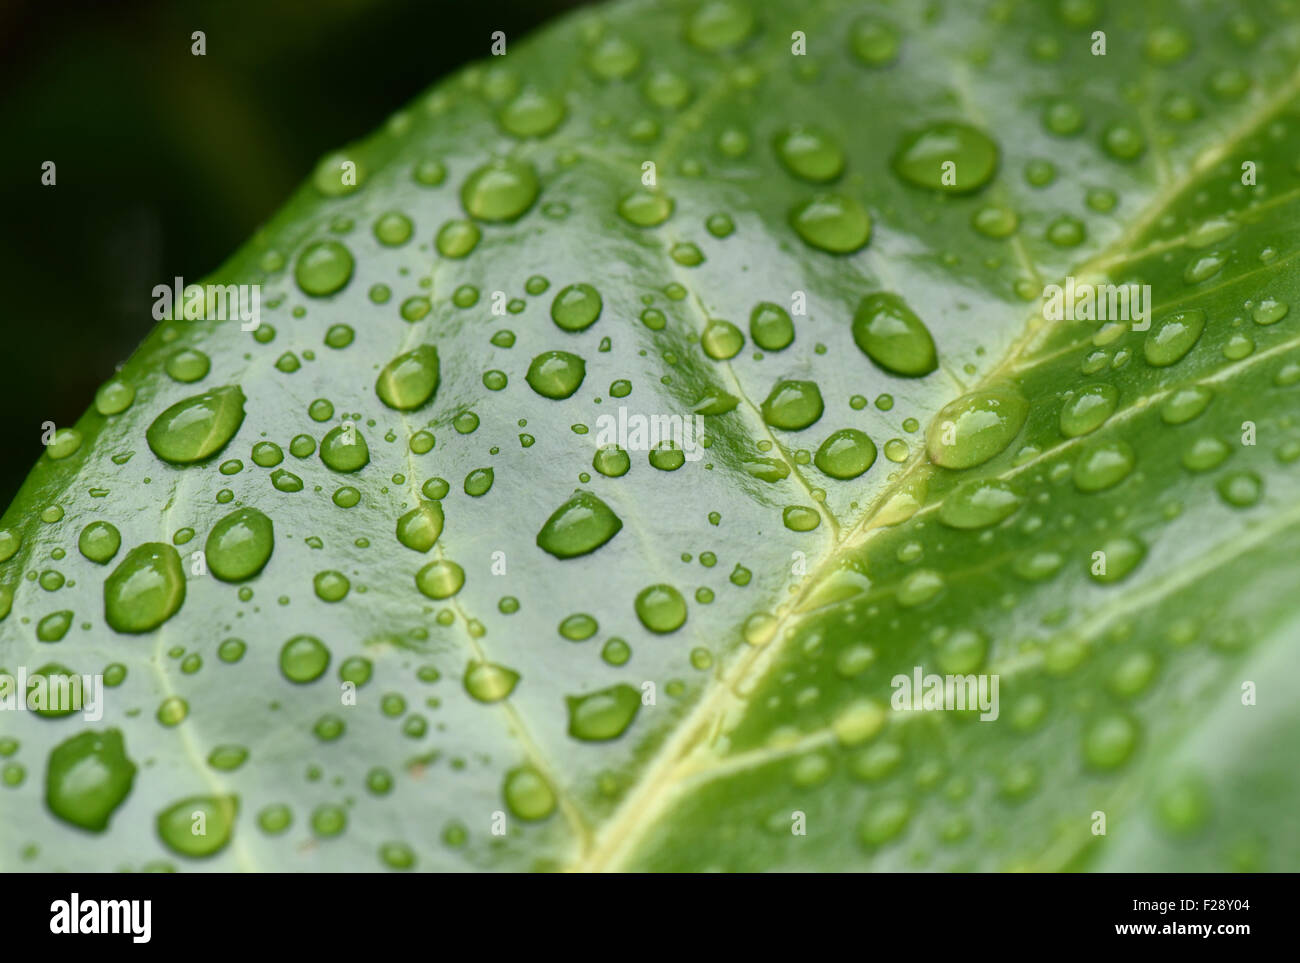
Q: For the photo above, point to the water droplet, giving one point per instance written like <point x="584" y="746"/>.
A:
<point x="1185" y="404"/>
<point x="198" y="427"/>
<point x="187" y="365"/>
<point x="323" y="268"/>
<point x="145" y="590"/>
<point x="489" y="682"/>
<point x="978" y="503"/>
<point x="1240" y="489"/>
<point x="1167" y="44"/>
<point x="419" y="528"/>
<point x="501" y="190"/>
<point x="285" y="481"/>
<point x="923" y="157"/>
<point x="440" y="580"/>
<point x="873" y="42"/>
<point x="1123" y="142"/>
<point x="891" y="335"/>
<point x="1103" y="465"/>
<point x="528" y="795"/>
<point x="1087" y="409"/>
<point x="478" y="482"/>
<point x="719" y="25"/>
<point x="88" y="777"/>
<point x="532" y="114"/>
<point x="1109" y="741"/>
<point x="611" y="461"/>
<point x="556" y="374"/>
<point x="344" y="449"/>
<point x="770" y="327"/>
<point x="613" y="58"/>
<point x="303" y="659"/>
<point x="1205" y="453"/>
<point x="410" y="379"/>
<point x="176" y="825"/>
<point x="603" y="715"/>
<point x="581" y="525"/>
<point x="809" y="153"/>
<point x="995" y="221"/>
<point x="99" y="542"/>
<point x="1123" y="554"/>
<point x="919" y="587"/>
<point x="721" y="340"/>
<point x="576" y="307"/>
<point x="1184" y="807"/>
<point x="646" y="208"/>
<point x="330" y="586"/>
<point x="885" y="821"/>
<point x="661" y="608"/>
<point x="114" y="397"/>
<point x="976" y="427"/>
<point x="1269" y="311"/>
<point x="845" y="454"/>
<point x="799" y="518"/>
<point x="239" y="545"/>
<point x="833" y="223"/>
<point x="793" y="405"/>
<point x="1169" y="341"/>
<point x="457" y="238"/>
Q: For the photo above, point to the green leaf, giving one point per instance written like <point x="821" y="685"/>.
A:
<point x="679" y="660"/>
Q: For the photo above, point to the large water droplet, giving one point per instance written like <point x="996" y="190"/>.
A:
<point x="532" y="113"/>
<point x="1103" y="465"/>
<point x="198" y="427"/>
<point x="1171" y="339"/>
<point x="720" y="25"/>
<point x="410" y="379"/>
<point x="891" y="335"/>
<point x="239" y="545"/>
<point x="344" y="449"/>
<point x="501" y="190"/>
<point x="323" y="268"/>
<point x="833" y="223"/>
<point x="303" y="659"/>
<point x="440" y="580"/>
<point x="1087" y="409"/>
<point x="89" y="776"/>
<point x="976" y="427"/>
<point x="528" y="795"/>
<point x="556" y="374"/>
<point x="845" y="454"/>
<point x="581" y="525"/>
<point x="809" y="153"/>
<point x="99" y="542"/>
<point x="600" y="716"/>
<point x="978" y="503"/>
<point x="661" y="608"/>
<point x="216" y="815"/>
<point x="419" y="528"/>
<point x="793" y="405"/>
<point x="770" y="326"/>
<point x="145" y="590"/>
<point x="576" y="307"/>
<point x="489" y="682"/>
<point x="951" y="157"/>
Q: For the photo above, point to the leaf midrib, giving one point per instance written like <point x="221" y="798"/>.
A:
<point x="619" y="836"/>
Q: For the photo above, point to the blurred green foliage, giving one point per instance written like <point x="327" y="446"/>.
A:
<point x="167" y="161"/>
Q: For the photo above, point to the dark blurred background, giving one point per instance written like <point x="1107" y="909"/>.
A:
<point x="167" y="162"/>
